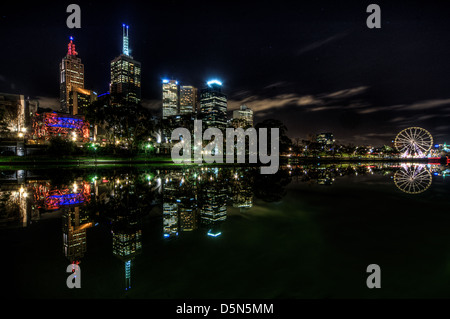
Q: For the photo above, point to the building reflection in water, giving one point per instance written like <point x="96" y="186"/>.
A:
<point x="76" y="221"/>
<point x="126" y="244"/>
<point x="193" y="199"/>
<point x="198" y="198"/>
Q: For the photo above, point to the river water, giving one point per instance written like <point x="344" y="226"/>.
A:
<point x="309" y="231"/>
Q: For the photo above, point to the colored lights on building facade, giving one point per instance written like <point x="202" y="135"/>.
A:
<point x="49" y="198"/>
<point x="48" y="125"/>
<point x="125" y="49"/>
<point x="56" y="198"/>
<point x="71" y="48"/>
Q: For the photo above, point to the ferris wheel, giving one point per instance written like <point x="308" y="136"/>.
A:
<point x="413" y="179"/>
<point x="413" y="142"/>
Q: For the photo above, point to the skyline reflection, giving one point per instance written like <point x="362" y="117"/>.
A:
<point x="182" y="203"/>
<point x="191" y="198"/>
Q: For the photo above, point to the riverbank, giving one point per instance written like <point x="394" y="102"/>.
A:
<point x="72" y="161"/>
<point x="166" y="161"/>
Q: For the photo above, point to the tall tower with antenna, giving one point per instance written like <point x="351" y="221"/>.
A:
<point x="125" y="50"/>
<point x="125" y="75"/>
<point x="71" y="75"/>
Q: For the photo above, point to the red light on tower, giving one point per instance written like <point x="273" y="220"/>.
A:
<point x="71" y="47"/>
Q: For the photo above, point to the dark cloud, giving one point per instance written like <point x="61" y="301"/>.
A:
<point x="320" y="43"/>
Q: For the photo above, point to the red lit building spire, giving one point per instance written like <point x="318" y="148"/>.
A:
<point x="71" y="47"/>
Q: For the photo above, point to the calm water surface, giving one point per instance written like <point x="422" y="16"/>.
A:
<point x="309" y="231"/>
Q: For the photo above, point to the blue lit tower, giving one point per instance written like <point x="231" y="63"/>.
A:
<point x="213" y="105"/>
<point x="125" y="49"/>
<point x="125" y="75"/>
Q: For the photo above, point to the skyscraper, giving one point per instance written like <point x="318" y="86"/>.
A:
<point x="188" y="99"/>
<point x="213" y="105"/>
<point x="244" y="114"/>
<point x="170" y="98"/>
<point x="125" y="76"/>
<point x="72" y="75"/>
<point x="80" y="100"/>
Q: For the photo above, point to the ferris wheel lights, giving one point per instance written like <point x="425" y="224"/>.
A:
<point x="413" y="179"/>
<point x="413" y="142"/>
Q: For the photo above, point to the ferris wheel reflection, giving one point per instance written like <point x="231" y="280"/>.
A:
<point x="413" y="178"/>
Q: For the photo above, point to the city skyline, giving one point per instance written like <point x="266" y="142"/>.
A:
<point x="331" y="74"/>
<point x="234" y="157"/>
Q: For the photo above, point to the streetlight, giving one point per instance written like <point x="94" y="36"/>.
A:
<point x="94" y="147"/>
<point x="148" y="147"/>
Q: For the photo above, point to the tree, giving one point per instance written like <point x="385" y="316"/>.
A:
<point x="129" y="122"/>
<point x="240" y="123"/>
<point x="271" y="187"/>
<point x="8" y="118"/>
<point x="61" y="147"/>
<point x="285" y="141"/>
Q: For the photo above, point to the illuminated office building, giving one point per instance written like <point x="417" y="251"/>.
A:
<point x="325" y="139"/>
<point x="80" y="100"/>
<point x="71" y="75"/>
<point x="244" y="114"/>
<point x="170" y="98"/>
<point x="125" y="76"/>
<point x="188" y="99"/>
<point x="213" y="105"/>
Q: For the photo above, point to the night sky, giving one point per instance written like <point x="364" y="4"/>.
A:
<point x="314" y="66"/>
